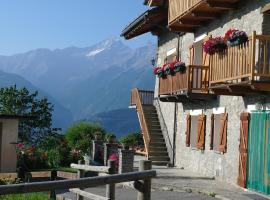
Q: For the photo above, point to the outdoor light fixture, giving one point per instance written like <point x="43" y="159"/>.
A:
<point x="153" y="62"/>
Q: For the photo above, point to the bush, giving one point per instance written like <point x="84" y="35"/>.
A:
<point x="80" y="135"/>
<point x="132" y="139"/>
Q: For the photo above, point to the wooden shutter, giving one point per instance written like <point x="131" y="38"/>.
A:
<point x="188" y="130"/>
<point x="223" y="133"/>
<point x="205" y="56"/>
<point x="243" y="150"/>
<point x="201" y="132"/>
<point x="212" y="129"/>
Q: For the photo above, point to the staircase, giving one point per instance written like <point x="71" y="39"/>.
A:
<point x="155" y="146"/>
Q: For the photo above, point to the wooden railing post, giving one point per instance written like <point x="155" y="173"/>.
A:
<point x="53" y="178"/>
<point x="145" y="194"/>
<point x="80" y="174"/>
<point x="110" y="188"/>
<point x="253" y="63"/>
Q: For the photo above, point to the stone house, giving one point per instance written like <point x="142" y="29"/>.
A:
<point x="203" y="119"/>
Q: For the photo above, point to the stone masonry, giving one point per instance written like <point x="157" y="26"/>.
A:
<point x="126" y="160"/>
<point x="247" y="17"/>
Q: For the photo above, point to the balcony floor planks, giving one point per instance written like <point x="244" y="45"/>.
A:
<point x="241" y="88"/>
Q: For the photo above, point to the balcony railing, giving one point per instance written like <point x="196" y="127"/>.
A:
<point x="178" y="8"/>
<point x="238" y="64"/>
<point x="195" y="79"/>
<point x="187" y="15"/>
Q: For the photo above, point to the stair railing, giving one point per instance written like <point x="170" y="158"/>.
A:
<point x="138" y="99"/>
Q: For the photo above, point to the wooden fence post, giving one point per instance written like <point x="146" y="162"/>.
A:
<point x="146" y="193"/>
<point x="110" y="188"/>
<point x="53" y="178"/>
<point x="80" y="174"/>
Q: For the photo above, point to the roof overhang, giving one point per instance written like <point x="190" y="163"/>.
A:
<point x="19" y="117"/>
<point x="152" y="3"/>
<point x="146" y="22"/>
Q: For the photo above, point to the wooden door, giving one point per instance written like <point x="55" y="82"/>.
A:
<point x="243" y="150"/>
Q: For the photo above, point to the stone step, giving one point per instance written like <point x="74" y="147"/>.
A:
<point x="160" y="163"/>
<point x="158" y="153"/>
<point x="155" y="140"/>
<point x="157" y="144"/>
<point x="159" y="158"/>
<point x="151" y="108"/>
<point x="156" y="136"/>
<point x="158" y="148"/>
<point x="154" y="126"/>
<point x="155" y="132"/>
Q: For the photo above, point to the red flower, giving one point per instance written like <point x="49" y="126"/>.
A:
<point x="229" y="34"/>
<point x="20" y="146"/>
<point x="157" y="70"/>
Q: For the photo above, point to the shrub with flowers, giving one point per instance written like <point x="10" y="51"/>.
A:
<point x="29" y="157"/>
<point x="235" y="37"/>
<point x="214" y="45"/>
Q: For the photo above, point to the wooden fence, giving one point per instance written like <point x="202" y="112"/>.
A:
<point x="142" y="182"/>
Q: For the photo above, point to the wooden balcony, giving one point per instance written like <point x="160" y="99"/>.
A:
<point x="242" y="69"/>
<point x="190" y="85"/>
<point x="187" y="15"/>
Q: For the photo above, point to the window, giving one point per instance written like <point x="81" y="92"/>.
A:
<point x="218" y="140"/>
<point x="193" y="131"/>
<point x="195" y="134"/>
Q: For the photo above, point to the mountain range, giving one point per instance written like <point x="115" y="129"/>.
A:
<point x="84" y="82"/>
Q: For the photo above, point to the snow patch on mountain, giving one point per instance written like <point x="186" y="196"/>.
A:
<point x="95" y="52"/>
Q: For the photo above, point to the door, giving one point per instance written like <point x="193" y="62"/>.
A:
<point x="258" y="170"/>
<point x="243" y="150"/>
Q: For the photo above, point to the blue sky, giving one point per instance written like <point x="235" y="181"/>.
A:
<point x="31" y="24"/>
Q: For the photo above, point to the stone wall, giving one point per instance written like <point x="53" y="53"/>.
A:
<point x="225" y="167"/>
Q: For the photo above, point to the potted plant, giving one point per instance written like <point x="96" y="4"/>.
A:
<point x="214" y="45"/>
<point x="159" y="72"/>
<point x="179" y="67"/>
<point x="235" y="37"/>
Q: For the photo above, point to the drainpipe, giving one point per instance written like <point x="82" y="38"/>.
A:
<point x="175" y="107"/>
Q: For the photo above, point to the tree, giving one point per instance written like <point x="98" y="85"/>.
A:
<point x="80" y="135"/>
<point x="20" y="101"/>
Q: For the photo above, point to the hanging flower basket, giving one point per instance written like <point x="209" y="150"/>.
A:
<point x="169" y="68"/>
<point x="179" y="67"/>
<point x="214" y="45"/>
<point x="159" y="72"/>
<point x="235" y="37"/>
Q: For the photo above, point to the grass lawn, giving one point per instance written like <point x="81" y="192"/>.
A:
<point x="30" y="196"/>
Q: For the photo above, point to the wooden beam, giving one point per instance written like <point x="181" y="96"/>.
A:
<point x="204" y="15"/>
<point x="190" y="23"/>
<point x="83" y="183"/>
<point x="222" y="91"/>
<point x="182" y="29"/>
<point x="266" y="8"/>
<point x="261" y="86"/>
<point x="240" y="89"/>
<point x="221" y="5"/>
